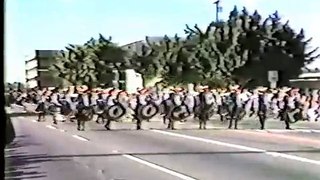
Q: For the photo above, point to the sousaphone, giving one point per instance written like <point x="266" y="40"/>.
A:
<point x="115" y="112"/>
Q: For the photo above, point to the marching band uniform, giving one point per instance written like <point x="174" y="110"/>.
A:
<point x="287" y="103"/>
<point x="263" y="106"/>
<point x="55" y="106"/>
<point x="235" y="109"/>
<point x="41" y="108"/>
<point x="206" y="104"/>
<point x="141" y="100"/>
<point x="101" y="105"/>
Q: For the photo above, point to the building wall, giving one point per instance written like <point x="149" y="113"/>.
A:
<point x="31" y="64"/>
<point x="37" y="69"/>
<point x="306" y="84"/>
<point x="135" y="47"/>
<point x="31" y="73"/>
<point x="32" y="83"/>
<point x="307" y="80"/>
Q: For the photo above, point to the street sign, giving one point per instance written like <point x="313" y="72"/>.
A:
<point x="273" y="76"/>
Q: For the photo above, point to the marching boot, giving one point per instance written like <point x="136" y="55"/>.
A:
<point x="164" y="119"/>
<point x="97" y="121"/>
<point x="39" y="117"/>
<point x="230" y="122"/>
<point x="44" y="117"/>
<point x="139" y="124"/>
<point x="168" y="127"/>
<point x="236" y="123"/>
<point x="286" y="121"/>
<point x="200" y="124"/>
<point x="171" y="124"/>
<point x="205" y="124"/>
<point x="287" y="124"/>
<point x="70" y="119"/>
<point x="83" y="123"/>
<point x="107" y="125"/>
<point x="221" y="118"/>
<point x="262" y="120"/>
<point x="78" y="125"/>
<point x="55" y="119"/>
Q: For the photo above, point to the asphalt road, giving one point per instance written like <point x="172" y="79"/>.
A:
<point x="46" y="151"/>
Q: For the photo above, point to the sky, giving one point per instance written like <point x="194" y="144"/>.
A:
<point x="53" y="24"/>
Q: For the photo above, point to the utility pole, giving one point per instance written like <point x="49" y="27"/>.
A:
<point x="218" y="9"/>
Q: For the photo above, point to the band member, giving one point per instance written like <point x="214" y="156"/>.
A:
<point x="252" y="103"/>
<point x="262" y="106"/>
<point x="142" y="99"/>
<point x="101" y="105"/>
<point x="41" y="108"/>
<point x="112" y="99"/>
<point x="175" y="100"/>
<point x="235" y="106"/>
<point x="55" y="105"/>
<point x="284" y="106"/>
<point x="206" y="106"/>
<point x="84" y="111"/>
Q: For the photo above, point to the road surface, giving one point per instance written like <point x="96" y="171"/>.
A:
<point x="46" y="151"/>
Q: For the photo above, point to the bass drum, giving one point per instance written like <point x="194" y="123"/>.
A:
<point x="97" y="109"/>
<point x="86" y="114"/>
<point x="115" y="112"/>
<point x="148" y="111"/>
<point x="180" y="113"/>
<point x="52" y="109"/>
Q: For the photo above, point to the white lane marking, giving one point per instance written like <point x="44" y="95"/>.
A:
<point x="34" y="121"/>
<point x="304" y="130"/>
<point x="295" y="130"/>
<point x="209" y="127"/>
<point x="236" y="146"/>
<point x="62" y="130"/>
<point x="80" y="138"/>
<point x="51" y="127"/>
<point x="292" y="157"/>
<point x="288" y="131"/>
<point x="115" y="151"/>
<point x="160" y="168"/>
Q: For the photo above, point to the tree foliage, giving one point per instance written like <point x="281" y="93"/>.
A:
<point x="273" y="45"/>
<point x="91" y="63"/>
<point x="242" y="48"/>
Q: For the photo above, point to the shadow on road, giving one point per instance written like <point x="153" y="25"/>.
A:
<point x="23" y="114"/>
<point x="24" y="165"/>
<point x="176" y="153"/>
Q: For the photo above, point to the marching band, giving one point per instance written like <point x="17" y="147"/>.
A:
<point x="171" y="104"/>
